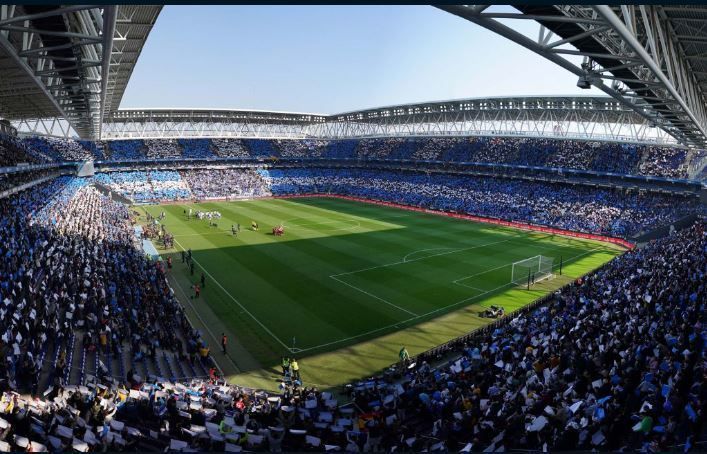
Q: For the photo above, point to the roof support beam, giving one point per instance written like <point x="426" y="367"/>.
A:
<point x="486" y="21"/>
<point x="633" y="73"/>
<point x="110" y="15"/>
<point x="578" y="117"/>
<point x="12" y="52"/>
<point x="630" y="39"/>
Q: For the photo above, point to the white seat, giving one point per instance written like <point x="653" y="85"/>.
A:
<point x="79" y="445"/>
<point x="21" y="441"/>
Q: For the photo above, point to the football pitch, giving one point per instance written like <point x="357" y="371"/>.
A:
<point x="349" y="283"/>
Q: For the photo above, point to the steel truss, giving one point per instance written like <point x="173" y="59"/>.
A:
<point x="175" y="123"/>
<point x="64" y="62"/>
<point x="581" y="117"/>
<point x="632" y="53"/>
<point x="52" y="127"/>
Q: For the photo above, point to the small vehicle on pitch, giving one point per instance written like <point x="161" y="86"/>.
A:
<point x="493" y="312"/>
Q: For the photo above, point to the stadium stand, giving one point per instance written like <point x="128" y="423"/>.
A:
<point x="378" y="148"/>
<point x="196" y="148"/>
<point x="567" y="154"/>
<point x="15" y="151"/>
<point x="95" y="147"/>
<point x="618" y="158"/>
<point x="341" y="149"/>
<point x="261" y="148"/>
<point x="39" y="146"/>
<point x="432" y="148"/>
<point x="668" y="163"/>
<point x="569" y="207"/>
<point x="225" y="183"/>
<point x="118" y="150"/>
<point x="162" y="149"/>
<point x="577" y="371"/>
<point x="147" y="186"/>
<point x="229" y="148"/>
<point x="76" y="289"/>
<point x="13" y="180"/>
<point x="306" y="148"/>
<point x="59" y="149"/>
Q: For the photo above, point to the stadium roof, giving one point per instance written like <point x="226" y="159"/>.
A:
<point x="649" y="57"/>
<point x="587" y="117"/>
<point x="53" y="64"/>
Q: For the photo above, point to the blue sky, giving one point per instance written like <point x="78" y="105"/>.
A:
<point x="330" y="59"/>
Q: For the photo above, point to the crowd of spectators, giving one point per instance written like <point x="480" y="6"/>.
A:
<point x="196" y="148"/>
<point x="378" y="148"/>
<point x="615" y="157"/>
<point x="69" y="150"/>
<point x="668" y="163"/>
<point x="225" y="183"/>
<point x="58" y="150"/>
<point x="565" y="155"/>
<point x="15" y="151"/>
<point x="146" y="186"/>
<point x="620" y="158"/>
<point x="305" y="148"/>
<point x="577" y="208"/>
<point x="15" y="179"/>
<point x="572" y="207"/>
<point x="261" y="148"/>
<point x="614" y="361"/>
<point x="341" y="149"/>
<point x="501" y="150"/>
<point x="432" y="148"/>
<point x="229" y="148"/>
<point x="163" y="415"/>
<point x="162" y="149"/>
<point x="120" y="150"/>
<point x="71" y="269"/>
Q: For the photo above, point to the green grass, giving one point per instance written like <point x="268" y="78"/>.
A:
<point x="349" y="282"/>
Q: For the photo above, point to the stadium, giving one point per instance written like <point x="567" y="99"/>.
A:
<point x="500" y="273"/>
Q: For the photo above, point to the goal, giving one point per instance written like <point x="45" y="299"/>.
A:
<point x="533" y="269"/>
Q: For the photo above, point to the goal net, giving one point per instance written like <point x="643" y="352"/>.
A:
<point x="531" y="270"/>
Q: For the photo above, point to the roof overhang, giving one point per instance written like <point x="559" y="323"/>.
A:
<point x="53" y="64"/>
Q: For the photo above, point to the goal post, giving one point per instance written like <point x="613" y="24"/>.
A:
<point x="531" y="270"/>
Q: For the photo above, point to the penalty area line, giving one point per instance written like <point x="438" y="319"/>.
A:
<point x="405" y="259"/>
<point x="373" y="296"/>
<point x="417" y="317"/>
<point x="400" y="262"/>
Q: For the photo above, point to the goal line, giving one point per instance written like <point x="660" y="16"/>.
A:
<point x="532" y="270"/>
